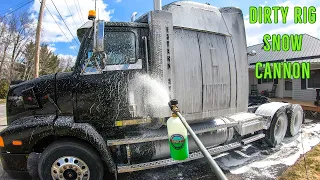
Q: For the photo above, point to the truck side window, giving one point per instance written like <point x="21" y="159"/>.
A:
<point x="120" y="47"/>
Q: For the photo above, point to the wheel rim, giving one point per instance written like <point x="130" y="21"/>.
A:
<point x="279" y="129"/>
<point x="70" y="168"/>
<point x="297" y="121"/>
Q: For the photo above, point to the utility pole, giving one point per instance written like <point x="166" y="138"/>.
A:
<point x="38" y="33"/>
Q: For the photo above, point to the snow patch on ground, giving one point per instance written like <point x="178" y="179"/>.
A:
<point x="266" y="161"/>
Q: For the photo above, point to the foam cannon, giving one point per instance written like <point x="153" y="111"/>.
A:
<point x="178" y="139"/>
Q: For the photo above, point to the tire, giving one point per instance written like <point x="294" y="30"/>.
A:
<point x="295" y="120"/>
<point x="63" y="158"/>
<point x="277" y="130"/>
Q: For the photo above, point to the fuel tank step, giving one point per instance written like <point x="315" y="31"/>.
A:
<point x="161" y="134"/>
<point x="252" y="138"/>
<point x="167" y="162"/>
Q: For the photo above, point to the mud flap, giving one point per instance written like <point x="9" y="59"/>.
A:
<point x="32" y="164"/>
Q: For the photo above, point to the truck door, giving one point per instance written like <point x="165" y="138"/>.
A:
<point x="102" y="96"/>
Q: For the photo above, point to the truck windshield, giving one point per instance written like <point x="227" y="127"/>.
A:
<point x="120" y="48"/>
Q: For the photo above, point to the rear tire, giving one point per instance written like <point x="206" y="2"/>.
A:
<point x="295" y="120"/>
<point x="277" y="130"/>
<point x="71" y="159"/>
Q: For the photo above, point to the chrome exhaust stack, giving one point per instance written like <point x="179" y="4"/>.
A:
<point x="157" y="5"/>
<point x="133" y="16"/>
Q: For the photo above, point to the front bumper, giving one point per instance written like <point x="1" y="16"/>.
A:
<point x="15" y="165"/>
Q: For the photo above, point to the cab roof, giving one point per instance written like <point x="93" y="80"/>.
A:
<point x="81" y="31"/>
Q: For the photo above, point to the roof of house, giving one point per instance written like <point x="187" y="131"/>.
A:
<point x="310" y="51"/>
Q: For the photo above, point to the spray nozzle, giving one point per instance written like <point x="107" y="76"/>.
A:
<point x="173" y="105"/>
<point x="173" y="102"/>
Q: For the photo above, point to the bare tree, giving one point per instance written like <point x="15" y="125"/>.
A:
<point x="5" y="41"/>
<point x="22" y="30"/>
<point x="17" y="49"/>
<point x="66" y="63"/>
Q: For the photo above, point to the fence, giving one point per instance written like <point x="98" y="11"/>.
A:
<point x="312" y="115"/>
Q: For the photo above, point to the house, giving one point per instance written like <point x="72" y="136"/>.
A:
<point x="297" y="89"/>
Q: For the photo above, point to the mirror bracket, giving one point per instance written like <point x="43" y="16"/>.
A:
<point x="121" y="67"/>
<point x="94" y="58"/>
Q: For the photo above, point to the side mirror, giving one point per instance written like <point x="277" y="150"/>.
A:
<point x="99" y="45"/>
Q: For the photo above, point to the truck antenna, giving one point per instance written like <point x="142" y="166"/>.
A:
<point x="95" y="5"/>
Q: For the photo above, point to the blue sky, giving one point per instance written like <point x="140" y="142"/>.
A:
<point x="121" y="10"/>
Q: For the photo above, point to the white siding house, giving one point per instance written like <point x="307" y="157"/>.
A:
<point x="297" y="89"/>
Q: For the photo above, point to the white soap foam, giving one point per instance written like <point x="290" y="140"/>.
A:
<point x="287" y="155"/>
<point x="158" y="94"/>
<point x="150" y="95"/>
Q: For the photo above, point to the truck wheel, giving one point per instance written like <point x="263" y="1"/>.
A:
<point x="277" y="130"/>
<point x="295" y="118"/>
<point x="70" y="160"/>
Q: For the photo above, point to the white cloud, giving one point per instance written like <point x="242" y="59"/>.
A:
<point x="255" y="32"/>
<point x="50" y="30"/>
<point x="52" y="47"/>
<point x="118" y="1"/>
<point x="66" y="56"/>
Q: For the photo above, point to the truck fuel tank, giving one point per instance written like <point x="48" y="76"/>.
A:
<point x="157" y="149"/>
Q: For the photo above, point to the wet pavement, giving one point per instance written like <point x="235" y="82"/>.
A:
<point x="256" y="161"/>
<point x="3" y="120"/>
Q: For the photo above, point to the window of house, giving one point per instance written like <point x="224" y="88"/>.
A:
<point x="288" y="85"/>
<point x="314" y="81"/>
<point x="266" y="80"/>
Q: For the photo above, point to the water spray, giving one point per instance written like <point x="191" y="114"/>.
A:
<point x="173" y="151"/>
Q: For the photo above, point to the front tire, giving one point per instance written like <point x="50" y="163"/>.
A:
<point x="70" y="160"/>
<point x="277" y="130"/>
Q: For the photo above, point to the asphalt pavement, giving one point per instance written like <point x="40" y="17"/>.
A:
<point x="3" y="119"/>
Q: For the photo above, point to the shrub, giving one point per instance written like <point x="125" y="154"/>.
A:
<point x="4" y="88"/>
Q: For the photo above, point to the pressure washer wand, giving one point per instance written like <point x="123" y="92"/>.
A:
<point x="214" y="166"/>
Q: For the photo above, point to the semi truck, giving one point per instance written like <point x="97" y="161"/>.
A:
<point x="108" y="116"/>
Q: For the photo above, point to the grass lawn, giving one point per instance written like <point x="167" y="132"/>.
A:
<point x="2" y="101"/>
<point x="298" y="172"/>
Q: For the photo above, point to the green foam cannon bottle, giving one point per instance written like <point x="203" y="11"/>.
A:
<point x="178" y="138"/>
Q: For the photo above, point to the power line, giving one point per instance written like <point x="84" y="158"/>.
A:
<point x="61" y="29"/>
<point x="70" y="13"/>
<point x="9" y="9"/>
<point x="80" y="17"/>
<point x="64" y="21"/>
<point x="80" y="11"/>
<point x="12" y="11"/>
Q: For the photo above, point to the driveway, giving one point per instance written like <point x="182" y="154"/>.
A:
<point x="255" y="161"/>
<point x="3" y="120"/>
